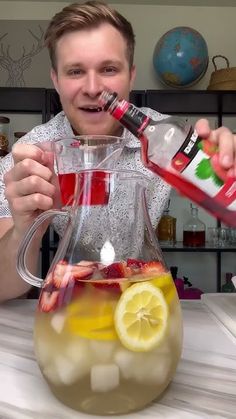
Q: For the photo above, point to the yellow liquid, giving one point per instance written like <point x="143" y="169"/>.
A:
<point x="101" y="376"/>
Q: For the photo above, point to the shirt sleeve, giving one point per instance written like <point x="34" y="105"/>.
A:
<point x="6" y="163"/>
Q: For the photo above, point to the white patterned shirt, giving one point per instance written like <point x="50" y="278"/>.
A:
<point x="59" y="127"/>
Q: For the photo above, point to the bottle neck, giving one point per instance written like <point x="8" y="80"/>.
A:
<point x="194" y="212"/>
<point x="128" y="114"/>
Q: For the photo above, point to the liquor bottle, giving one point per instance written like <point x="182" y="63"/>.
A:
<point x="166" y="229"/>
<point x="194" y="230"/>
<point x="172" y="149"/>
<point x="228" y="286"/>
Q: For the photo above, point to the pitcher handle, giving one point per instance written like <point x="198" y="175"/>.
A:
<point x="21" y="254"/>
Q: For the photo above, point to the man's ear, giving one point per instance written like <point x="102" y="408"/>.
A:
<point x="54" y="79"/>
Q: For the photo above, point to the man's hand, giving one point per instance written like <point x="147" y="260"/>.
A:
<point x="30" y="184"/>
<point x="226" y="142"/>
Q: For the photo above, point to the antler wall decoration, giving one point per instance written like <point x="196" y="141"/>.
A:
<point x="16" y="67"/>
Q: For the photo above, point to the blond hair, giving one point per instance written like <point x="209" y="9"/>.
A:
<point x="90" y="14"/>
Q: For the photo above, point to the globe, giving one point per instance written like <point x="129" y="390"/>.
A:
<point x="180" y="57"/>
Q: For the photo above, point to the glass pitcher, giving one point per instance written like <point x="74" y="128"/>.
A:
<point x="108" y="327"/>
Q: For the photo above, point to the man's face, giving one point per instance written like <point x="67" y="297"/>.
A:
<point x="89" y="61"/>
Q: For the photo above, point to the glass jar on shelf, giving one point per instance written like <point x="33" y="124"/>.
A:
<point x="166" y="229"/>
<point x="194" y="230"/>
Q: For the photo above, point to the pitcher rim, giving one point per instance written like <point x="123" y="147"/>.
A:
<point x="114" y="139"/>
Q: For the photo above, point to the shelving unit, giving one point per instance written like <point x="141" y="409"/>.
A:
<point x="206" y="249"/>
<point x="186" y="102"/>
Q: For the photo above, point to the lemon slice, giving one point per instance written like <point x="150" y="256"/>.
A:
<point x="92" y="321"/>
<point x="141" y="317"/>
<point x="166" y="284"/>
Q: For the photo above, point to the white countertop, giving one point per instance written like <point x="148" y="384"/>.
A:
<point x="204" y="385"/>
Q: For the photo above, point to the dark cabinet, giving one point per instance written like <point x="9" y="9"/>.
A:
<point x="187" y="102"/>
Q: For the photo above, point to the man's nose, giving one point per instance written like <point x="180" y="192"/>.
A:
<point x="93" y="85"/>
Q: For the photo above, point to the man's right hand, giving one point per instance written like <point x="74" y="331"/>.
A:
<point x="30" y="185"/>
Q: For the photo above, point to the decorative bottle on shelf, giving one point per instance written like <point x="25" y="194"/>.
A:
<point x="194" y="230"/>
<point x="166" y="229"/>
<point x="228" y="286"/>
<point x="172" y="149"/>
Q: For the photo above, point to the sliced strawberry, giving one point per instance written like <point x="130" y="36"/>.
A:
<point x="59" y="273"/>
<point x="135" y="265"/>
<point x="48" y="279"/>
<point x="87" y="263"/>
<point x="81" y="272"/>
<point x="117" y="270"/>
<point x="62" y="281"/>
<point x="153" y="267"/>
<point x="48" y="300"/>
<point x="66" y="290"/>
<point x="112" y="286"/>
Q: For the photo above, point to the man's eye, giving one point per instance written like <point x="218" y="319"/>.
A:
<point x="75" y="72"/>
<point x="110" y="70"/>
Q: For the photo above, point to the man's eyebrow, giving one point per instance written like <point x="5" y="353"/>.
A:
<point x="102" y="63"/>
<point x="111" y="62"/>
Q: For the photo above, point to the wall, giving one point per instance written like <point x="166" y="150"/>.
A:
<point x="217" y="25"/>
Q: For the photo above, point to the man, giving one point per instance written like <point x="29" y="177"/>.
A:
<point x="91" y="47"/>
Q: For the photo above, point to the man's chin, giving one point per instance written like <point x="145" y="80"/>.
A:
<point x="94" y="131"/>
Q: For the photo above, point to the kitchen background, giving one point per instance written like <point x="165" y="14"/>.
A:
<point x="21" y="27"/>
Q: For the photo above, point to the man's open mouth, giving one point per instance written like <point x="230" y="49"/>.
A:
<point x="92" y="109"/>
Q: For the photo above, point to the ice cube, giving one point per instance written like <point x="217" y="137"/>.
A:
<point x="163" y="348"/>
<point x="102" y="351"/>
<point x="66" y="370"/>
<point x="125" y="359"/>
<point x="51" y="374"/>
<point x="43" y="352"/>
<point x="57" y="322"/>
<point x="152" y="369"/>
<point x="104" y="377"/>
<point x="159" y="370"/>
<point x="78" y="353"/>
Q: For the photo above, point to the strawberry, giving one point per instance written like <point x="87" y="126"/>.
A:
<point x="152" y="267"/>
<point x="48" y="279"/>
<point x="81" y="272"/>
<point x="48" y="300"/>
<point x="59" y="272"/>
<point x="116" y="270"/>
<point x="87" y="263"/>
<point x="135" y="265"/>
<point x="112" y="286"/>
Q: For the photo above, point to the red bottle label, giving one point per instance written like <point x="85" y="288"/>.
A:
<point x="131" y="117"/>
